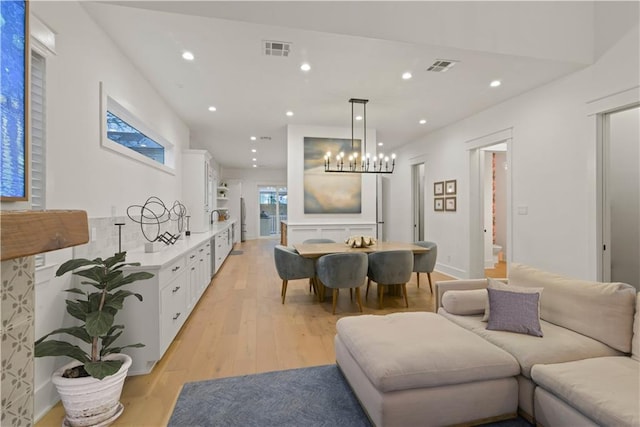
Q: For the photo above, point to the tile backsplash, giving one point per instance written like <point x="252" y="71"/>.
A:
<point x="104" y="236"/>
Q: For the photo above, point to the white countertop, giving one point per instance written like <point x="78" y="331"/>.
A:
<point x="169" y="253"/>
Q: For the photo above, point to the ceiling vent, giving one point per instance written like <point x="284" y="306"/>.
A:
<point x="276" y="48"/>
<point x="265" y="138"/>
<point x="442" y="65"/>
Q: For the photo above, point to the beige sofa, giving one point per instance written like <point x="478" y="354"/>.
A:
<point x="584" y="370"/>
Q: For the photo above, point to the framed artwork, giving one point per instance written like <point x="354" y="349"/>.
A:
<point x="450" y="187"/>
<point x="14" y="96"/>
<point x="438" y="188"/>
<point x="329" y="193"/>
<point x="438" y="204"/>
<point x="450" y="204"/>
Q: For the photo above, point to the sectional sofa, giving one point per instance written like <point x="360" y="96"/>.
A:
<point x="584" y="370"/>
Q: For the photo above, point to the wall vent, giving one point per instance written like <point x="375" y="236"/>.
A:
<point x="442" y="65"/>
<point x="276" y="48"/>
<point x="265" y="138"/>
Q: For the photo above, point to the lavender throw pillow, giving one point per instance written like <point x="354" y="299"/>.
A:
<point x="514" y="312"/>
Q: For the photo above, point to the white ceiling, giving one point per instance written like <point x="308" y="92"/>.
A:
<point x="356" y="49"/>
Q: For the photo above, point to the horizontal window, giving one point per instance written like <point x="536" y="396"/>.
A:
<point x="126" y="135"/>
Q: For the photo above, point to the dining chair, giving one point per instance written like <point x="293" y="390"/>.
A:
<point x="316" y="241"/>
<point x="425" y="262"/>
<point x="388" y="268"/>
<point x="291" y="266"/>
<point x="343" y="270"/>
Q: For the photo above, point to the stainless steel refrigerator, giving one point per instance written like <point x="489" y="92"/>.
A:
<point x="243" y="220"/>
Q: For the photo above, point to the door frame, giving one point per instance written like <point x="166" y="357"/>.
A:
<point x="476" y="198"/>
<point x="413" y="162"/>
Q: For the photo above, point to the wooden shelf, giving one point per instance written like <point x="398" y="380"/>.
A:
<point x="26" y="233"/>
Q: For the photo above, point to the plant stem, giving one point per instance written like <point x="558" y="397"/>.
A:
<point x="94" y="343"/>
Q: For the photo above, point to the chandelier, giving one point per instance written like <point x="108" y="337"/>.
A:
<point x="359" y="162"/>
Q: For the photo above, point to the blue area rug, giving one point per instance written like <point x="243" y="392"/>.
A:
<point x="318" y="396"/>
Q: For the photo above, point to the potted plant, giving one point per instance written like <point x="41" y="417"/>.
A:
<point x="91" y="385"/>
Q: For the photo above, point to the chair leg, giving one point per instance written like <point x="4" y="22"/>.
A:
<point x="430" y="287"/>
<point x="351" y="294"/>
<point x="366" y="294"/>
<point x="358" y="299"/>
<point x="404" y="292"/>
<point x="335" y="299"/>
<point x="284" y="289"/>
<point x="418" y="277"/>
<point x="380" y="295"/>
<point x="314" y="283"/>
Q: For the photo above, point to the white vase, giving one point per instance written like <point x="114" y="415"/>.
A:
<point x="89" y="401"/>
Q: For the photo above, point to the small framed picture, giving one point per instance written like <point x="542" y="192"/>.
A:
<point x="438" y="188"/>
<point x="438" y="204"/>
<point x="450" y="204"/>
<point x="450" y="187"/>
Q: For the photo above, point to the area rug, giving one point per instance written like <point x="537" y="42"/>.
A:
<point x="317" y="396"/>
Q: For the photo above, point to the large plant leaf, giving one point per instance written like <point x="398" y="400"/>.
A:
<point x="99" y="323"/>
<point x="76" y="331"/>
<point x="96" y="274"/>
<point x="108" y="340"/>
<point x="140" y="275"/>
<point x="102" y="368"/>
<point x="94" y="301"/>
<point x="72" y="264"/>
<point x="116" y="299"/>
<point x="119" y="257"/>
<point x="112" y="350"/>
<point x="60" y="348"/>
<point x="78" y="309"/>
<point x="124" y="264"/>
<point x="76" y="291"/>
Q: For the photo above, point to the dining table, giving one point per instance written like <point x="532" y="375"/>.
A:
<point x="316" y="250"/>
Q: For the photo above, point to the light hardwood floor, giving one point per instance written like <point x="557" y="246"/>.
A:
<point x="241" y="327"/>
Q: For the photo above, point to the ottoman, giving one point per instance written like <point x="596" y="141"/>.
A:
<point x="410" y="369"/>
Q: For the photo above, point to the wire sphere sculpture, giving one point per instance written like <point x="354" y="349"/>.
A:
<point x="152" y="214"/>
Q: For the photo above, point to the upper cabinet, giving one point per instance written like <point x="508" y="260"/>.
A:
<point x="198" y="183"/>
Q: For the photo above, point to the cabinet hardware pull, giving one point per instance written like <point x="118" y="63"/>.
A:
<point x="176" y="289"/>
<point x="176" y="316"/>
<point x="192" y="257"/>
<point x="175" y="269"/>
<point x="193" y="268"/>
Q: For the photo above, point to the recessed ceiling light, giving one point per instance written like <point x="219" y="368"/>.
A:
<point x="380" y="144"/>
<point x="253" y="138"/>
<point x="289" y="113"/>
<point x="305" y="67"/>
<point x="254" y="159"/>
<point x="358" y="117"/>
<point x="212" y="108"/>
<point x="255" y="166"/>
<point x="406" y="76"/>
<point x="254" y="150"/>
<point x="422" y="121"/>
<point x="188" y="56"/>
<point x="495" y="83"/>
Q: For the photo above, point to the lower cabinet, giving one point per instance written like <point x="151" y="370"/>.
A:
<point x="168" y="299"/>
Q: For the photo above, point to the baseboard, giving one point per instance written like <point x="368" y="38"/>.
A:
<point x="449" y="270"/>
<point x="45" y="398"/>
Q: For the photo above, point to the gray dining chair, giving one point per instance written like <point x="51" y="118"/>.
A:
<point x="425" y="262"/>
<point x="388" y="268"/>
<point x="316" y="241"/>
<point x="343" y="270"/>
<point x="291" y="266"/>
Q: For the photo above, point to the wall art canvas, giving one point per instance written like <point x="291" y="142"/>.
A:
<point x="13" y="100"/>
<point x="330" y="193"/>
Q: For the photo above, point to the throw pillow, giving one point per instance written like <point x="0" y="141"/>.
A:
<point x="465" y="303"/>
<point x="496" y="284"/>
<point x="514" y="312"/>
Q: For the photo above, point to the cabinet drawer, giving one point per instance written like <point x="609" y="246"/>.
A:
<point x="191" y="257"/>
<point x="173" y="309"/>
<point x="167" y="274"/>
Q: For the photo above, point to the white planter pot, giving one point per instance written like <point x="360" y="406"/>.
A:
<point x="88" y="401"/>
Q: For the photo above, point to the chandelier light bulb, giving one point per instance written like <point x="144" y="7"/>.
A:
<point x="393" y="156"/>
<point x="355" y="155"/>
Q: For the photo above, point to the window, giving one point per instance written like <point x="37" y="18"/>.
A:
<point x="124" y="133"/>
<point x="38" y="116"/>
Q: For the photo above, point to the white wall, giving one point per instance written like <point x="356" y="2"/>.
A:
<point x="81" y="174"/>
<point x="553" y="169"/>
<point x="250" y="179"/>
<point x="501" y="201"/>
<point x="295" y="178"/>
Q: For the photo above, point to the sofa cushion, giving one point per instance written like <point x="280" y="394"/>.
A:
<point x="635" y="344"/>
<point x="605" y="389"/>
<point x="514" y="312"/>
<point x="558" y="344"/>
<point x="603" y="311"/>
<point x="496" y="284"/>
<point x="413" y="350"/>
<point x="465" y="302"/>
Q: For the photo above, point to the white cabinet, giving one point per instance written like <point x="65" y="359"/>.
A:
<point x="223" y="247"/>
<point x="173" y="310"/>
<point x="197" y="188"/>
